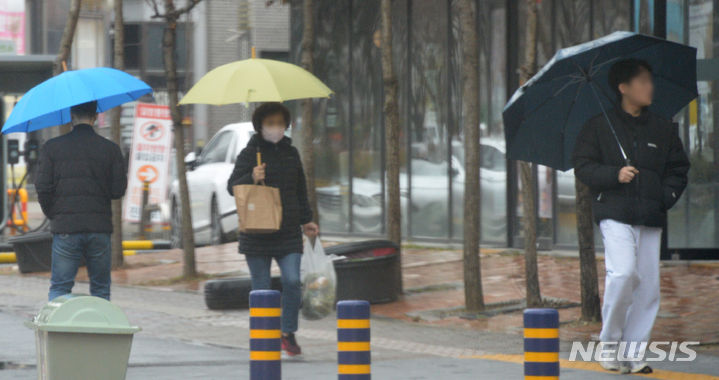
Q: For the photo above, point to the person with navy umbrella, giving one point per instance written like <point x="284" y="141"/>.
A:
<point x="604" y="108"/>
<point x="635" y="166"/>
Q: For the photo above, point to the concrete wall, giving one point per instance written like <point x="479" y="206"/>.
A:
<point x="222" y="47"/>
<point x="233" y="28"/>
<point x="270" y="26"/>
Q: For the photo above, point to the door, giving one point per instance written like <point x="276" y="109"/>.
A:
<point x="211" y="165"/>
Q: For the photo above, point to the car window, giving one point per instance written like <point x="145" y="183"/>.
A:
<point x="424" y="167"/>
<point x="241" y="143"/>
<point x="493" y="159"/>
<point x="216" y="150"/>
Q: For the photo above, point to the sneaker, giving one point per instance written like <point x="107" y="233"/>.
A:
<point x="636" y="367"/>
<point x="610" y="365"/>
<point x="609" y="360"/>
<point x="290" y="346"/>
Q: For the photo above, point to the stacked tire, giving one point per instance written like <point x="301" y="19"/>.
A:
<point x="232" y="293"/>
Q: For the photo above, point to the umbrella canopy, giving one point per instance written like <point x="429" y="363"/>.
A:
<point x="255" y="80"/>
<point x="48" y="104"/>
<point x="544" y="117"/>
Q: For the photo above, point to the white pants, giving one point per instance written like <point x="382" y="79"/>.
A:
<point x="631" y="287"/>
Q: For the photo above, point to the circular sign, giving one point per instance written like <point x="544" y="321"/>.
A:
<point x="152" y="131"/>
<point x="147" y="173"/>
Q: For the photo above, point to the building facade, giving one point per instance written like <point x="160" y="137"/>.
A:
<point x="214" y="33"/>
<point x="349" y="127"/>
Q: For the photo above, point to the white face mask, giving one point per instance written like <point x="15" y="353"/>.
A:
<point x="273" y="134"/>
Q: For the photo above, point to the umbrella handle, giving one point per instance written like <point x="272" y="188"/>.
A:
<point x="611" y="127"/>
<point x="259" y="163"/>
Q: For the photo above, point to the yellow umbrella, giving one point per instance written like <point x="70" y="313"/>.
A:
<point x="255" y="80"/>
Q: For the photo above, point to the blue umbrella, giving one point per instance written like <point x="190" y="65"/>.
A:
<point x="544" y="116"/>
<point x="48" y="104"/>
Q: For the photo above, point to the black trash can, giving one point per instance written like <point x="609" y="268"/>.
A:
<point x="369" y="271"/>
<point x="33" y="251"/>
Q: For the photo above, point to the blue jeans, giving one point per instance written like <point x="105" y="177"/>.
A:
<point x="67" y="253"/>
<point x="291" y="285"/>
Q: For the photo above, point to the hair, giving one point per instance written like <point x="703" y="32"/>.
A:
<point x="624" y="71"/>
<point x="268" y="109"/>
<point x="84" y="110"/>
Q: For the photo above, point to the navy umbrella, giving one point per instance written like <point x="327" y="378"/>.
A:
<point x="544" y="116"/>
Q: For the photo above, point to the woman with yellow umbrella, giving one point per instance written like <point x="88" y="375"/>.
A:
<point x="263" y="80"/>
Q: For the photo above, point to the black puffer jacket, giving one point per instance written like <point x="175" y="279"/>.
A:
<point x="78" y="174"/>
<point x="283" y="171"/>
<point x="654" y="148"/>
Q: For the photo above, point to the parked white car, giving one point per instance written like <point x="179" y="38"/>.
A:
<point x="214" y="218"/>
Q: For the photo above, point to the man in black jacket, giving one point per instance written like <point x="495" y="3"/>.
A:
<point x="78" y="174"/>
<point x="631" y="199"/>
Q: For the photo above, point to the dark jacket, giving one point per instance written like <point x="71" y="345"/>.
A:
<point x="77" y="176"/>
<point x="283" y="171"/>
<point x="654" y="148"/>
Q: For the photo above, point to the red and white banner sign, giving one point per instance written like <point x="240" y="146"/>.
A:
<point x="149" y="158"/>
<point x="12" y="27"/>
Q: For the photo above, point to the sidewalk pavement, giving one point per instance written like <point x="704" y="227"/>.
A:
<point x="417" y="337"/>
<point x="170" y="359"/>
<point x="183" y="340"/>
<point x="434" y="291"/>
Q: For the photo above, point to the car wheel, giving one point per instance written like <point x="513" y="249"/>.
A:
<point x="175" y="226"/>
<point x="215" y="224"/>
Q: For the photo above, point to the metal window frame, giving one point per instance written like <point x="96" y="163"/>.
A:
<point x="512" y="83"/>
<point x="451" y="123"/>
<point x="350" y="122"/>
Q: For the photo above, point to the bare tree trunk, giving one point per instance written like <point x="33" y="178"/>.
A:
<point x="308" y="151"/>
<point x="391" y="121"/>
<point x="473" y="295"/>
<point x="68" y="34"/>
<point x="591" y="310"/>
<point x="119" y="63"/>
<point x="534" y="297"/>
<point x="169" y="41"/>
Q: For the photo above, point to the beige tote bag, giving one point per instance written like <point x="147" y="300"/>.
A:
<point x="259" y="207"/>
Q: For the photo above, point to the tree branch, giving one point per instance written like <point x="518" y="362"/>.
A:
<point x="173" y="15"/>
<point x="153" y="4"/>
<point x="190" y="4"/>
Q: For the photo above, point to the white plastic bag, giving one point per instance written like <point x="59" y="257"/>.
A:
<point x="318" y="281"/>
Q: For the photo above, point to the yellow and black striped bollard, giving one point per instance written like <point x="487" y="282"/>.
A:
<point x="541" y="344"/>
<point x="353" y="340"/>
<point x="265" y="312"/>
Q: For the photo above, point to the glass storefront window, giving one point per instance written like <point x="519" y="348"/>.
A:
<point x="492" y="97"/>
<point x="644" y="16"/>
<point x="455" y="104"/>
<point x="694" y="221"/>
<point x="367" y="118"/>
<point x="349" y="130"/>
<point x="429" y="113"/>
<point x="401" y="60"/>
<point x="577" y="22"/>
<point x="331" y="116"/>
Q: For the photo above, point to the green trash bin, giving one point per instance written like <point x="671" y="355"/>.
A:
<point x="82" y="337"/>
